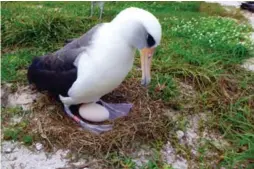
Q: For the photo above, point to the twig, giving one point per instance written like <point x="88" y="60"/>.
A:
<point x="80" y="166"/>
<point x="43" y="135"/>
<point x="150" y="113"/>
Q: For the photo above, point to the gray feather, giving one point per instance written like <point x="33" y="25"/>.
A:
<point x="56" y="72"/>
<point x="75" y="47"/>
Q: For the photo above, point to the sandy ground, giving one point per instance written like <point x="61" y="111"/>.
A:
<point x="16" y="156"/>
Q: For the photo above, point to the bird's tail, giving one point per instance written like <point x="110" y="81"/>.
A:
<point x="32" y="70"/>
<point x="48" y="73"/>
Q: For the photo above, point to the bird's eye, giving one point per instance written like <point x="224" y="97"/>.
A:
<point x="150" y="40"/>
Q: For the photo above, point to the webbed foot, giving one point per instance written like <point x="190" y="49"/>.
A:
<point x="97" y="129"/>
<point x="117" y="110"/>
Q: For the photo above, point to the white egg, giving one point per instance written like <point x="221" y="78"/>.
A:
<point x="93" y="112"/>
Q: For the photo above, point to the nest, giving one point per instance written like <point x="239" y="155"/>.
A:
<point x="145" y="123"/>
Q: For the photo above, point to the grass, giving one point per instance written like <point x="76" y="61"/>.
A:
<point x="238" y="124"/>
<point x="203" y="46"/>
<point x="16" y="131"/>
<point x="16" y="63"/>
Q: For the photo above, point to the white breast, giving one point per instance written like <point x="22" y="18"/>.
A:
<point x="102" y="68"/>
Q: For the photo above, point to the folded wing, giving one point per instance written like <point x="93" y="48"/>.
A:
<point x="56" y="72"/>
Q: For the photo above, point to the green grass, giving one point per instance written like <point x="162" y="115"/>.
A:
<point x="127" y="162"/>
<point x="201" y="47"/>
<point x="239" y="127"/>
<point x="15" y="131"/>
<point x="15" y="64"/>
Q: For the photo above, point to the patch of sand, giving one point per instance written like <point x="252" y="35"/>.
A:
<point x="23" y="97"/>
<point x="20" y="157"/>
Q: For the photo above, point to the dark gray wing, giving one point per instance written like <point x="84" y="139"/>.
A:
<point x="68" y="41"/>
<point x="56" y="72"/>
<point x="76" y="46"/>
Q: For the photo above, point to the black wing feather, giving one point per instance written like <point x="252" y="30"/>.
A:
<point x="56" y="72"/>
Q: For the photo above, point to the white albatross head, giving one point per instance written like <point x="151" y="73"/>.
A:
<point x="143" y="31"/>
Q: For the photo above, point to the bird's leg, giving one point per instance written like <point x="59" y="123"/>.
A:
<point x="67" y="101"/>
<point x="92" y="4"/>
<point x="117" y="110"/>
<point x="97" y="129"/>
<point x="101" y="9"/>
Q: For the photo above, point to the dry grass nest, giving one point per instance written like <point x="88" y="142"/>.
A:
<point x="145" y="123"/>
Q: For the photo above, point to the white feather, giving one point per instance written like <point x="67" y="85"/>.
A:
<point x="103" y="67"/>
<point x="110" y="57"/>
<point x="150" y="22"/>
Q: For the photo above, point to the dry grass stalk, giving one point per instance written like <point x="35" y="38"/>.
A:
<point x="145" y="123"/>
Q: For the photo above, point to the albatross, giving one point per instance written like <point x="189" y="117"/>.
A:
<point x="96" y="63"/>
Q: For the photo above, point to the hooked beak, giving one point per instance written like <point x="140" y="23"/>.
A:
<point x="146" y="60"/>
